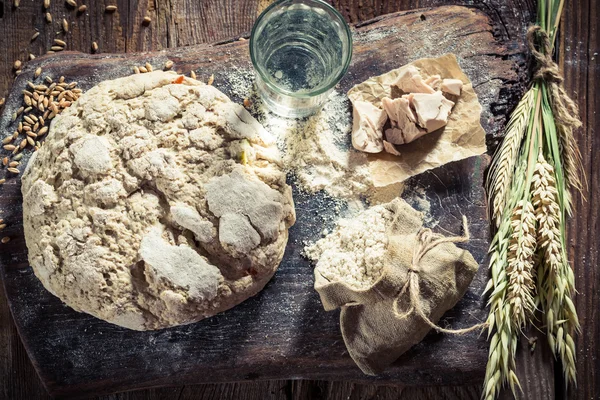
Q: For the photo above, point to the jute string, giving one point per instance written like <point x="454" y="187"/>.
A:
<point x="564" y="109"/>
<point x="427" y="241"/>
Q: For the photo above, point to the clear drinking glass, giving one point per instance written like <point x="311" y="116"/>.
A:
<point x="300" y="50"/>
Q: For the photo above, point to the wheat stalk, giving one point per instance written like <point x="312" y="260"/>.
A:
<point x="556" y="278"/>
<point x="503" y="164"/>
<point x="501" y="365"/>
<point x="520" y="267"/>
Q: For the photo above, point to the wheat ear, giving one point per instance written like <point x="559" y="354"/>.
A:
<point x="556" y="281"/>
<point x="520" y="268"/>
<point x="571" y="162"/>
<point x="503" y="164"/>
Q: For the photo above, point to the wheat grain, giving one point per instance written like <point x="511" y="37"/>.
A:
<point x="65" y="25"/>
<point x="46" y="4"/>
<point x="504" y="161"/>
<point x="5" y="239"/>
<point x="168" y="65"/>
<point x="94" y="47"/>
<point x="110" y="9"/>
<point x="82" y="8"/>
<point x="48" y="18"/>
<point x="71" y="3"/>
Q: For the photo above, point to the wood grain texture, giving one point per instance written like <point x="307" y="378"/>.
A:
<point x="283" y="332"/>
<point x="580" y="61"/>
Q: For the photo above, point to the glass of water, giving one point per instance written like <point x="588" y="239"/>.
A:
<point x="300" y="50"/>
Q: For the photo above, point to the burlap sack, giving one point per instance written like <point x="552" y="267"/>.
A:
<point x="424" y="276"/>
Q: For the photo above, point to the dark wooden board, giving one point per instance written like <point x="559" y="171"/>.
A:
<point x="283" y="332"/>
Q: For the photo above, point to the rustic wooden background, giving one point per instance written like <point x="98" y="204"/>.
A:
<point x="185" y="22"/>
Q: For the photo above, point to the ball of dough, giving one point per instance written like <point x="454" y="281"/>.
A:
<point x="155" y="203"/>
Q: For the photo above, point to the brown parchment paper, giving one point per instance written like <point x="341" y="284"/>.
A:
<point x="461" y="138"/>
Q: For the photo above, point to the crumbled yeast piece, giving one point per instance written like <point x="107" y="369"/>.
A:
<point x="411" y="81"/>
<point x="434" y="81"/>
<point x="404" y="122"/>
<point x="432" y="110"/>
<point x="452" y="86"/>
<point x="368" y="123"/>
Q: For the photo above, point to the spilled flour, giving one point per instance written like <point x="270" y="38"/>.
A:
<point x="317" y="150"/>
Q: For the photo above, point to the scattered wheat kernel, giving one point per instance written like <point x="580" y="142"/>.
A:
<point x="247" y="103"/>
<point x="20" y="110"/>
<point x="242" y="39"/>
<point x="16" y="3"/>
<point x="13" y="164"/>
<point x="61" y="79"/>
<point x="31" y="134"/>
<point x="30" y="141"/>
<point x="148" y="67"/>
<point x="5" y="239"/>
<point x="168" y="64"/>
<point x="31" y="57"/>
<point x="15" y="135"/>
<point x="18" y="157"/>
<point x="65" y="25"/>
<point x="13" y="170"/>
<point x="9" y="147"/>
<point x="46" y="3"/>
<point x="35" y="35"/>
<point x="7" y="139"/>
<point x="38" y="72"/>
<point x="17" y="65"/>
<point x="71" y="3"/>
<point x="143" y="69"/>
<point x="2" y="100"/>
<point x="110" y="8"/>
<point x="5" y="161"/>
<point x="192" y="74"/>
<point x="57" y="48"/>
<point x="42" y="131"/>
<point x="82" y="8"/>
<point x="2" y="181"/>
<point x="2" y="226"/>
<point x="211" y="80"/>
<point x="14" y="116"/>
<point x="60" y="42"/>
<point x="28" y="109"/>
<point x="48" y="18"/>
<point x="94" y="47"/>
<point x="146" y="21"/>
<point x="23" y="144"/>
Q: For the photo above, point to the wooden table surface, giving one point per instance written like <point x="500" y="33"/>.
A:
<point x="185" y="22"/>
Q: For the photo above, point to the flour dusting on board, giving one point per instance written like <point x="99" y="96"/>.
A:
<point x="317" y="150"/>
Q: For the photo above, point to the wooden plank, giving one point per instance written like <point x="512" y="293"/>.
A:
<point x="579" y="55"/>
<point x="77" y="354"/>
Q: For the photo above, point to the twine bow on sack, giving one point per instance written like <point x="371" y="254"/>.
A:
<point x="426" y="241"/>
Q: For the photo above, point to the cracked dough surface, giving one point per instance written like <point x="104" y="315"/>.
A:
<point x="139" y="211"/>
